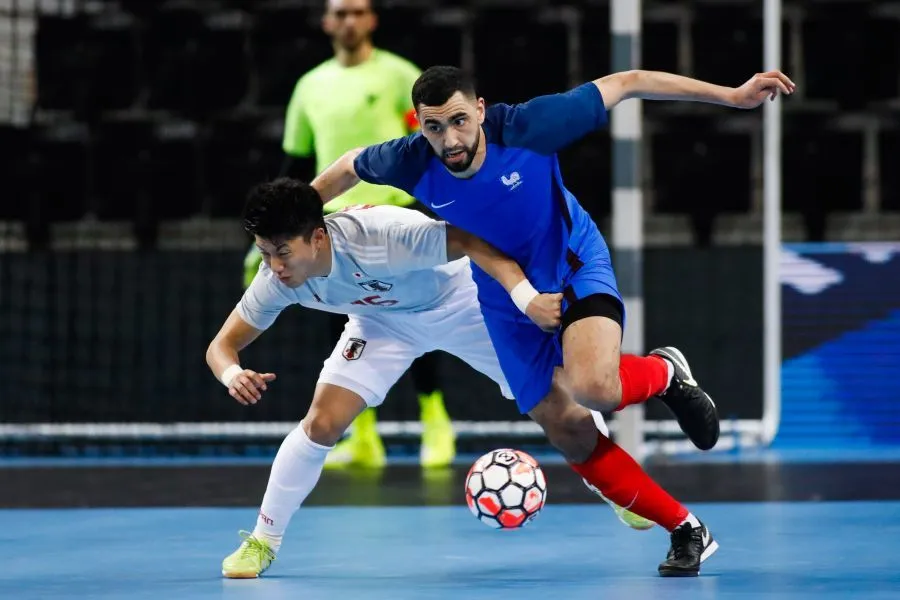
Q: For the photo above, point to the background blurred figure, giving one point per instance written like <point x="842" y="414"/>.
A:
<point x="360" y="97"/>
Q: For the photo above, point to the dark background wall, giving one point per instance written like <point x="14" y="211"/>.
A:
<point x="121" y="336"/>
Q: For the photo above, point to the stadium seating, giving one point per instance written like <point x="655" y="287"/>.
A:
<point x="701" y="172"/>
<point x="822" y="172"/>
<point x="193" y="66"/>
<point x="846" y="34"/>
<point x="235" y="157"/>
<point x="418" y="36"/>
<point x="172" y="110"/>
<point x="587" y="169"/>
<point x="889" y="151"/>
<point x="507" y="42"/>
<point x="284" y="44"/>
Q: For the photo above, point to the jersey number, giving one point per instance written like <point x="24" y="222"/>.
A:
<point x="375" y="301"/>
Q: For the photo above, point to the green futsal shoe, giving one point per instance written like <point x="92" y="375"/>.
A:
<point x="626" y="516"/>
<point x="438" y="439"/>
<point x="250" y="560"/>
<point x="362" y="449"/>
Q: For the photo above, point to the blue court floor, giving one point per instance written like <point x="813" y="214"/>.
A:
<point x="775" y="550"/>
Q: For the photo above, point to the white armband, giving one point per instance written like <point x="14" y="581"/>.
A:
<point x="230" y="373"/>
<point x="523" y="294"/>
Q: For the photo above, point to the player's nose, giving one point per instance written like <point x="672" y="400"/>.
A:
<point x="276" y="265"/>
<point x="451" y="139"/>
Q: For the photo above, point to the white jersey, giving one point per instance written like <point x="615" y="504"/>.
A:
<point x="383" y="259"/>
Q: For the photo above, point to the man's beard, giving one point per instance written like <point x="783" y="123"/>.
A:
<point x="464" y="164"/>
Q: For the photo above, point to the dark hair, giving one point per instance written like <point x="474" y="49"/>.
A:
<point x="436" y="84"/>
<point x="283" y="209"/>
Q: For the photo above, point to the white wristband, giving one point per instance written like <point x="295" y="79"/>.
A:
<point x="229" y="374"/>
<point x="523" y="294"/>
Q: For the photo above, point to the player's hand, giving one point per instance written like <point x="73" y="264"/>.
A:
<point x="762" y="86"/>
<point x="247" y="386"/>
<point x="546" y="311"/>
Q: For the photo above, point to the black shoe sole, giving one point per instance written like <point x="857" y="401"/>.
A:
<point x="709" y="437"/>
<point x="710" y="549"/>
<point x="678" y="573"/>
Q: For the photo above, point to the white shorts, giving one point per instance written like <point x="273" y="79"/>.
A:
<point x="376" y="350"/>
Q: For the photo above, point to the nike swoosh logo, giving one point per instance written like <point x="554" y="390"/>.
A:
<point x="633" y="500"/>
<point x="443" y="205"/>
<point x="705" y="537"/>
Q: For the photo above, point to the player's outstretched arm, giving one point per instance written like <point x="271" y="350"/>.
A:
<point x="243" y="385"/>
<point x="338" y="177"/>
<point x="543" y="309"/>
<point x="656" y="85"/>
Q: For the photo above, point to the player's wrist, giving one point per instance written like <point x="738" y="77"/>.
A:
<point x="522" y="294"/>
<point x="228" y="375"/>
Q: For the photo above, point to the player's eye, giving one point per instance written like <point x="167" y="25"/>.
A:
<point x="434" y="128"/>
<point x="460" y="122"/>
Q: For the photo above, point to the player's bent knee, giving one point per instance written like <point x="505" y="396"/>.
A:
<point x="321" y="429"/>
<point x="598" y="389"/>
<point x="332" y="411"/>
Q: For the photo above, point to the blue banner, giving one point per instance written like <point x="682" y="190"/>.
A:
<point x="841" y="345"/>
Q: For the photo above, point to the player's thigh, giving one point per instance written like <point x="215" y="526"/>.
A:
<point x="468" y="339"/>
<point x="527" y="356"/>
<point x="368" y="359"/>
<point x="592" y="321"/>
<point x="569" y="427"/>
<point x="332" y="411"/>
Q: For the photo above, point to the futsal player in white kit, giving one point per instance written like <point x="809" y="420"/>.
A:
<point x="405" y="282"/>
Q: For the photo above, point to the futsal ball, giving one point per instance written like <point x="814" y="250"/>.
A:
<point x="506" y="489"/>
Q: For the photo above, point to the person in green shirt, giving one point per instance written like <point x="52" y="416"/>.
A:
<point x="361" y="97"/>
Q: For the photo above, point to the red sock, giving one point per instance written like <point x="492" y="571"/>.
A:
<point x="642" y="378"/>
<point x="618" y="477"/>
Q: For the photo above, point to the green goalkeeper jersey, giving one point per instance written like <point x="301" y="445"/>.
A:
<point x="334" y="109"/>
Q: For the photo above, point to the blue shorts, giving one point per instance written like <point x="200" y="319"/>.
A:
<point x="527" y="354"/>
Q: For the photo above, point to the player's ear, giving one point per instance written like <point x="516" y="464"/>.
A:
<point x="479" y="109"/>
<point x="318" y="236"/>
<point x="327" y="23"/>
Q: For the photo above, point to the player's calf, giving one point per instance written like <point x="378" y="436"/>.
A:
<point x="569" y="427"/>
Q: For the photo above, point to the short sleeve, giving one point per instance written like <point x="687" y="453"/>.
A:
<point x="547" y="124"/>
<point x="298" y="135"/>
<point x="416" y="246"/>
<point x="399" y="163"/>
<point x="406" y="240"/>
<point x="262" y="302"/>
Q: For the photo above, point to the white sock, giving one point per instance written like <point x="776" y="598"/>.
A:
<point x="670" y="370"/>
<point x="294" y="474"/>
<point x="694" y="521"/>
<point x="600" y="422"/>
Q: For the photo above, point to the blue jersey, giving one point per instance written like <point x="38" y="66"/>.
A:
<point x="518" y="203"/>
<point x="517" y="200"/>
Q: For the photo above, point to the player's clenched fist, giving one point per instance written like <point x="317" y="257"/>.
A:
<point x="545" y="310"/>
<point x="247" y="386"/>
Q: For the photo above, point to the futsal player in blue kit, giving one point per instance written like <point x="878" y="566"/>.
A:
<point x="493" y="171"/>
